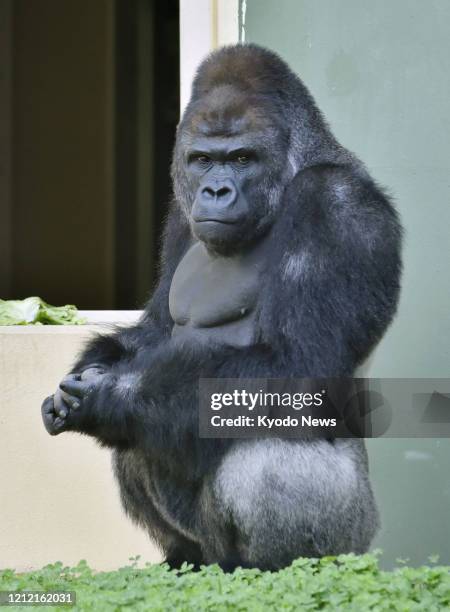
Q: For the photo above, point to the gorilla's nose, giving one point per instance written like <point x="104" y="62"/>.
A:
<point x="222" y="193"/>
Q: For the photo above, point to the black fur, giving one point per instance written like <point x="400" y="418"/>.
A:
<point x="330" y="289"/>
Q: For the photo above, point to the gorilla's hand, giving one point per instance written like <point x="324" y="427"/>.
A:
<point x="65" y="410"/>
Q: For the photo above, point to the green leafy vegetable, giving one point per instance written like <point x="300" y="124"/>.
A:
<point x="347" y="582"/>
<point x="34" y="311"/>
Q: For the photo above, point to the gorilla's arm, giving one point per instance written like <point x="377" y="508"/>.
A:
<point x="337" y="276"/>
<point x="151" y="401"/>
<point x="155" y="324"/>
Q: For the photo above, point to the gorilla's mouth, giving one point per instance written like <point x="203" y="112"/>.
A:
<point x="215" y="229"/>
<point x="221" y="221"/>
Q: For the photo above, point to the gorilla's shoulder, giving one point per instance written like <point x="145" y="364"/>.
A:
<point x="334" y="182"/>
<point x="339" y="192"/>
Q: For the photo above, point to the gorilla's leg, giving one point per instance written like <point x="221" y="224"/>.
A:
<point x="132" y="472"/>
<point x="288" y="499"/>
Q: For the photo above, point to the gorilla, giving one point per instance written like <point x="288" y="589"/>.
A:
<point x="280" y="259"/>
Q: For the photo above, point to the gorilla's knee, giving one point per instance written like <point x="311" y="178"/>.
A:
<point x="290" y="500"/>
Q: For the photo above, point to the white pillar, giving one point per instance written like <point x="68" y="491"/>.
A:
<point x="204" y="26"/>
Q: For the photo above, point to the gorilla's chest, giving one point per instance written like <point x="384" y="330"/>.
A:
<point x="214" y="298"/>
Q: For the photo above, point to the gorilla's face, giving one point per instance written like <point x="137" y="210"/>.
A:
<point x="226" y="172"/>
<point x="234" y="162"/>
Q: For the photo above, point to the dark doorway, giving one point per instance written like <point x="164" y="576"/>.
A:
<point x="94" y="93"/>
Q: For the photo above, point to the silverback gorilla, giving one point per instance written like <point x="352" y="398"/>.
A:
<point x="281" y="258"/>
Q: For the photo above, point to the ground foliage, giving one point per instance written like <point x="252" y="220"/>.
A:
<point x="347" y="582"/>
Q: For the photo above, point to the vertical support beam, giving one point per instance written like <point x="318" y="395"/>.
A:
<point x="196" y="41"/>
<point x="227" y="22"/>
<point x="204" y="26"/>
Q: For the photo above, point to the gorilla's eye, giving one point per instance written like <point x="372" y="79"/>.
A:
<point x="243" y="159"/>
<point x="203" y="159"/>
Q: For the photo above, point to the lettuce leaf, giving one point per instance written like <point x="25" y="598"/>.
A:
<point x="34" y="311"/>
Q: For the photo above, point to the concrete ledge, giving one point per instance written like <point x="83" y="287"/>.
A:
<point x="111" y="316"/>
<point x="59" y="501"/>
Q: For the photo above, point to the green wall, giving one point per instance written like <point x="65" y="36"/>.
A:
<point x="380" y="73"/>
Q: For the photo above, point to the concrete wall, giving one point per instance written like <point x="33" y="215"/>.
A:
<point x="58" y="499"/>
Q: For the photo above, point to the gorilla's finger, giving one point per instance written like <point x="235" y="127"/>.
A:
<point x="47" y="406"/>
<point x="53" y="425"/>
<point x="48" y="421"/>
<point x="92" y="372"/>
<point x="60" y="407"/>
<point x="72" y="377"/>
<point x="95" y="366"/>
<point x="74" y="387"/>
<point x="69" y="400"/>
<point x="57" y="426"/>
<point x="72" y="401"/>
